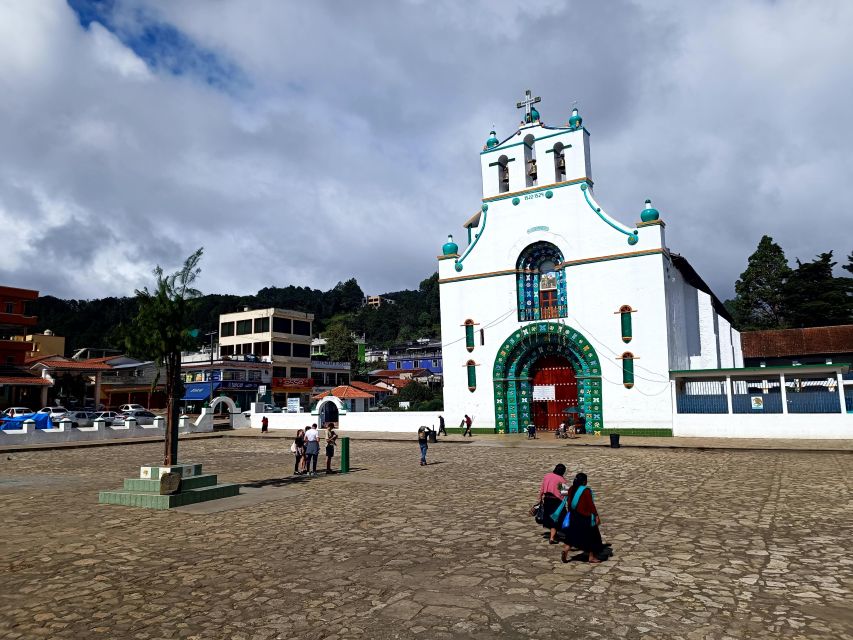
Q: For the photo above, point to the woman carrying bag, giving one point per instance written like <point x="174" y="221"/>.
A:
<point x="583" y="526"/>
<point x="551" y="499"/>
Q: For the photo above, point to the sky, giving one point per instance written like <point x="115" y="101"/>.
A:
<point x="310" y="142"/>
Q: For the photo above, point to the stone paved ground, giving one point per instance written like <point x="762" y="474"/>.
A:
<point x="709" y="544"/>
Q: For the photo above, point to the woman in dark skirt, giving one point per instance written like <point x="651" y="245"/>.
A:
<point x="583" y="530"/>
<point x="550" y="497"/>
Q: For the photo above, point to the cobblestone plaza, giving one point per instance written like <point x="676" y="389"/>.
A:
<point x="709" y="544"/>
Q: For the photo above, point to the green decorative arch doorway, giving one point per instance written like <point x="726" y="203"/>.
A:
<point x="518" y="356"/>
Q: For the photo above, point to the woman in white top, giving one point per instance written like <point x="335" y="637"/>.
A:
<point x="312" y="449"/>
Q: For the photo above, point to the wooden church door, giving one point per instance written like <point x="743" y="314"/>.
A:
<point x="555" y="377"/>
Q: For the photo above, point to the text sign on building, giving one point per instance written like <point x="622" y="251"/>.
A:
<point x="544" y="392"/>
<point x="237" y="384"/>
<point x="293" y="405"/>
<point x="294" y="383"/>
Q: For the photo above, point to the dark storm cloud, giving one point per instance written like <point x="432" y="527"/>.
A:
<point x="308" y="143"/>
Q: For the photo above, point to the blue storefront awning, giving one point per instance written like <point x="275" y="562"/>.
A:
<point x="199" y="390"/>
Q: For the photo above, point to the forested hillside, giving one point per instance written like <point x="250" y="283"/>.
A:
<point x="103" y="322"/>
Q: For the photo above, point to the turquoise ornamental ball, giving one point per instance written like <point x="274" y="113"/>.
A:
<point x="632" y="239"/>
<point x="450" y="248"/>
<point x="484" y="208"/>
<point x="575" y="121"/>
<point x="458" y="266"/>
<point x="549" y="194"/>
<point x="649" y="213"/>
<point x="515" y="201"/>
<point x="534" y="114"/>
<point x="493" y="141"/>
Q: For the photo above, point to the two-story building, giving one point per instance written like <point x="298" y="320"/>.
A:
<point x="421" y="354"/>
<point x="18" y="386"/>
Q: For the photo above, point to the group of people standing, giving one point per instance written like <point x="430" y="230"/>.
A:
<point x="306" y="449"/>
<point x="569" y="509"/>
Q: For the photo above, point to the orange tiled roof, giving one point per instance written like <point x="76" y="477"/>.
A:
<point x="797" y="342"/>
<point x="398" y="383"/>
<point x="393" y="373"/>
<point x="344" y="392"/>
<point x="64" y="364"/>
<point x="25" y="380"/>
<point x="365" y="386"/>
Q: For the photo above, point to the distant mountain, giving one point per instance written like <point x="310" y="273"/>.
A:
<point x="103" y="322"/>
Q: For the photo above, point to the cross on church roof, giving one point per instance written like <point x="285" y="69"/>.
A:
<point x="528" y="101"/>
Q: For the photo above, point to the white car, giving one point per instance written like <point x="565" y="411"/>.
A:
<point x="142" y="417"/>
<point x="80" y="418"/>
<point x="15" y="412"/>
<point x="107" y="416"/>
<point x="56" y="413"/>
<point x="131" y="407"/>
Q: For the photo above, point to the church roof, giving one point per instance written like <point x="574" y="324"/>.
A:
<point x="689" y="273"/>
<point x="778" y="343"/>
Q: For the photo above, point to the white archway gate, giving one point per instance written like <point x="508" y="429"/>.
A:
<point x="328" y="409"/>
<point x="233" y="409"/>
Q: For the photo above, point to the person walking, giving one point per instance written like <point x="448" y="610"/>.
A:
<point x="551" y="498"/>
<point x="265" y="424"/>
<point x="312" y="450"/>
<point x="331" y="440"/>
<point x="298" y="449"/>
<point x="441" y="428"/>
<point x="423" y="437"/>
<point x="583" y="532"/>
<point x="467" y="422"/>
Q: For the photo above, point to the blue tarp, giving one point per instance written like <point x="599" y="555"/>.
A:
<point x="200" y="390"/>
<point x="42" y="421"/>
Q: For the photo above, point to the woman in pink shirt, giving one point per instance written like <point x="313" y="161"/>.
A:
<point x="550" y="498"/>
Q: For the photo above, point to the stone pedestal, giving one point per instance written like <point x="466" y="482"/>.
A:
<point x="145" y="491"/>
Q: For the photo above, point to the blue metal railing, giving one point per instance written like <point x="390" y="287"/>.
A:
<point x="813" y="402"/>
<point x="702" y="404"/>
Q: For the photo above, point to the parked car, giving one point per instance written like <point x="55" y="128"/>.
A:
<point x="107" y="416"/>
<point x="56" y="413"/>
<point x="15" y="412"/>
<point x="80" y="418"/>
<point x="131" y="407"/>
<point x="271" y="408"/>
<point x="142" y="417"/>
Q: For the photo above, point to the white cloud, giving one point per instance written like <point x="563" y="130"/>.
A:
<point x="342" y="139"/>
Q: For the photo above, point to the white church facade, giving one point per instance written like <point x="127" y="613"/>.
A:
<point x="556" y="308"/>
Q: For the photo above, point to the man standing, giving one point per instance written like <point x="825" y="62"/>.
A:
<point x="467" y="421"/>
<point x="423" y="435"/>
<point x="312" y="450"/>
<point x="441" y="428"/>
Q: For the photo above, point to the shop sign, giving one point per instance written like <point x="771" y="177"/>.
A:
<point x="292" y="383"/>
<point x="239" y="385"/>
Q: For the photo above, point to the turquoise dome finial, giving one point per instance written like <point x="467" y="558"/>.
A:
<point x="450" y="248"/>
<point x="534" y="114"/>
<point x="649" y="214"/>
<point x="493" y="141"/>
<point x="575" y="122"/>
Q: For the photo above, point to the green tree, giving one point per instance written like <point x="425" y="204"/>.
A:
<point x="849" y="265"/>
<point x="759" y="301"/>
<point x="160" y="332"/>
<point x="340" y="345"/>
<point x="813" y="297"/>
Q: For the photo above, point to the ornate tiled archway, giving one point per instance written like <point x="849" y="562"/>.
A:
<point x="512" y="380"/>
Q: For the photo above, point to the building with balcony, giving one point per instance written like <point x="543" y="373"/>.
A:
<point x="422" y="354"/>
<point x="18" y="385"/>
<point x="279" y="337"/>
<point x="240" y="378"/>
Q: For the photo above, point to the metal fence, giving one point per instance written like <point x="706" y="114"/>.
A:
<point x="756" y="395"/>
<point x="701" y="396"/>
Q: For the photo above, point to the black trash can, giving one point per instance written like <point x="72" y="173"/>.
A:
<point x="432" y="437"/>
<point x="614" y="440"/>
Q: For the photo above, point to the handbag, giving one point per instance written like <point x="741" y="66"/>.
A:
<point x="539" y="513"/>
<point x="293" y="447"/>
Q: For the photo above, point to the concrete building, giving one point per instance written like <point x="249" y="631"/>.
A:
<point x="44" y="344"/>
<point x="420" y="354"/>
<point x="279" y="337"/>
<point x="376" y="301"/>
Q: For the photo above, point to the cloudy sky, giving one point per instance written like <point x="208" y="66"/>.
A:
<point x="309" y="142"/>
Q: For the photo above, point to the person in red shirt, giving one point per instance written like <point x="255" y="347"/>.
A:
<point x="583" y="532"/>
<point x="550" y="497"/>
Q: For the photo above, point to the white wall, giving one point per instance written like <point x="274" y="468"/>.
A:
<point x="390" y="421"/>
<point x="798" y="426"/>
